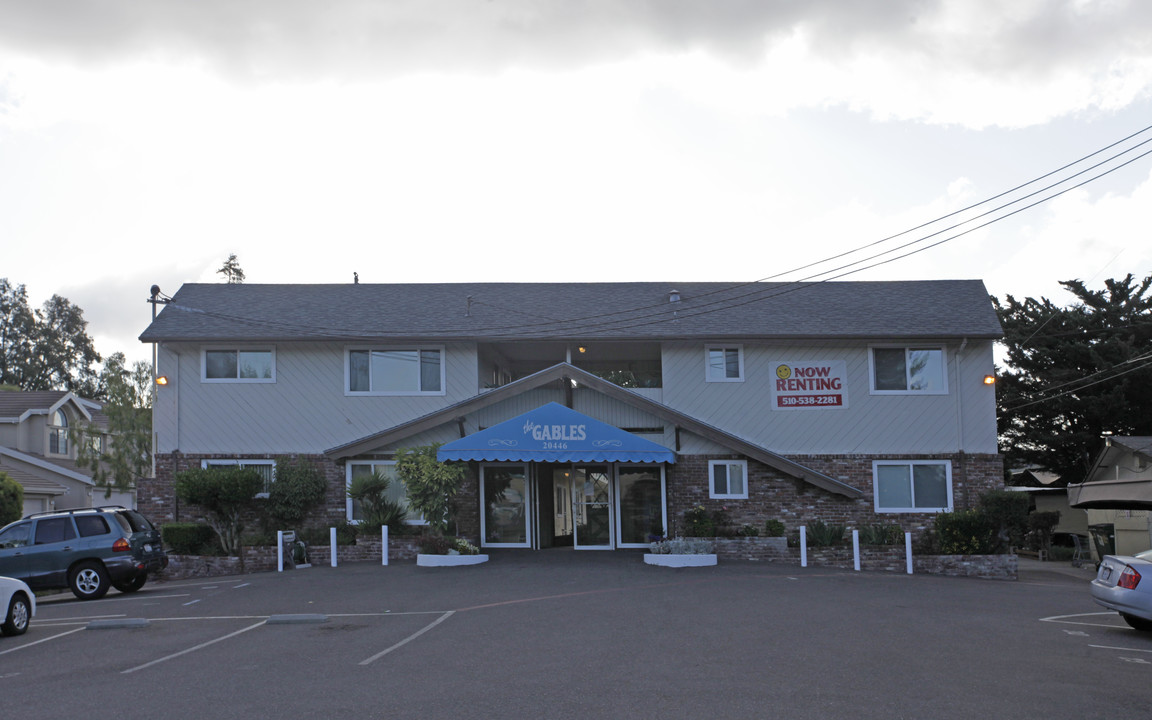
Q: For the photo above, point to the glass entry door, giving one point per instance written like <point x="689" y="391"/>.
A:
<point x="592" y="507"/>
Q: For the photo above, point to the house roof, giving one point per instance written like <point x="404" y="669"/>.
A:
<point x="1104" y="488"/>
<point x="566" y="372"/>
<point x="17" y="405"/>
<point x="526" y="311"/>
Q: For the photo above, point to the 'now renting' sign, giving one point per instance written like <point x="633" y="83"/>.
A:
<point x="810" y="384"/>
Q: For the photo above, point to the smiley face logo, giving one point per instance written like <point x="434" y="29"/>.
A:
<point x="783" y="372"/>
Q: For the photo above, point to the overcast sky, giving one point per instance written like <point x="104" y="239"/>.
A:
<point x="560" y="140"/>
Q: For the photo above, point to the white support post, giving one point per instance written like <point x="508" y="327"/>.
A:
<point x="908" y="550"/>
<point x="384" y="544"/>
<point x="856" y="550"/>
<point x="803" y="546"/>
<point x="332" y="544"/>
<point x="279" y="551"/>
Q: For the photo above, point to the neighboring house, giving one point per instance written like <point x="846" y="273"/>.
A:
<point x="1117" y="493"/>
<point x="1048" y="494"/>
<point x="36" y="449"/>
<point x="594" y="414"/>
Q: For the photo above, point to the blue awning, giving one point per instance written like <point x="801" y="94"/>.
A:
<point x="554" y="433"/>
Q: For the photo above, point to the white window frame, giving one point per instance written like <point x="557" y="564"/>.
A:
<point x="348" y="483"/>
<point x="712" y="480"/>
<point x="907" y="379"/>
<point x="236" y="349"/>
<point x="910" y="464"/>
<point x="241" y="462"/>
<point x="529" y="506"/>
<point x="397" y="348"/>
<point x="622" y="467"/>
<point x="58" y="431"/>
<point x="709" y="376"/>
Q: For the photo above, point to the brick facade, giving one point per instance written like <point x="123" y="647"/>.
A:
<point x="772" y="495"/>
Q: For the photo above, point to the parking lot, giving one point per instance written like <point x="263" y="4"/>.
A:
<point x="565" y="634"/>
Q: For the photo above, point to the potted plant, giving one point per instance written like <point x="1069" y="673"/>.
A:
<point x="681" y="552"/>
<point x="432" y="487"/>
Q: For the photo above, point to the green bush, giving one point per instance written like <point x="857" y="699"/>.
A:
<point x="376" y="509"/>
<point x="226" y="494"/>
<point x="967" y="532"/>
<point x="299" y="487"/>
<point x="1008" y="511"/>
<point x="190" y="539"/>
<point x="698" y="523"/>
<point x="821" y="534"/>
<point x="881" y="534"/>
<point x="749" y="531"/>
<point x="774" y="528"/>
<point x="11" y="499"/>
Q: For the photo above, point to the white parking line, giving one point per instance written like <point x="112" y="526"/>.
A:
<point x="410" y="638"/>
<point x="43" y="640"/>
<point x="193" y="649"/>
<point x="1063" y="619"/>
<point x="191" y="602"/>
<point x="1109" y="647"/>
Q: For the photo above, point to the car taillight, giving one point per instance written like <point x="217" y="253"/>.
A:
<point x="121" y="545"/>
<point x="1129" y="579"/>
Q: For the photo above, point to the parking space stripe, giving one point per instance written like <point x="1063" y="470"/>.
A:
<point x="43" y="640"/>
<point x="193" y="649"/>
<point x="1109" y="647"/>
<point x="410" y="638"/>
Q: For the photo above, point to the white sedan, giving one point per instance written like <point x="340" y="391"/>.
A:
<point x="18" y="604"/>
<point x="1124" y="583"/>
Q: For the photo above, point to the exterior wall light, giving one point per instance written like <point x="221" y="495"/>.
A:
<point x="162" y="380"/>
<point x="989" y="379"/>
<point x="582" y="349"/>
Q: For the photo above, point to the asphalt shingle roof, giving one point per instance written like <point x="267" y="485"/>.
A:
<point x="511" y="311"/>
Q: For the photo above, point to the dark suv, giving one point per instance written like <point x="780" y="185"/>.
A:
<point x="86" y="550"/>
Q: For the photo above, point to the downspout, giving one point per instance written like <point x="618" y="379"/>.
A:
<point x="960" y="424"/>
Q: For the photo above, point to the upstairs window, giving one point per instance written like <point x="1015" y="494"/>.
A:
<point x="239" y="365"/>
<point x="58" y="434"/>
<point x="904" y="370"/>
<point x="725" y="363"/>
<point x="396" y="371"/>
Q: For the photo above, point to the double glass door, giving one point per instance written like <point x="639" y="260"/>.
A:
<point x="588" y="507"/>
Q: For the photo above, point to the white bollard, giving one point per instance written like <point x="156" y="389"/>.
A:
<point x="908" y="550"/>
<point x="384" y="544"/>
<point x="279" y="551"/>
<point x="332" y="544"/>
<point x="803" y="546"/>
<point x="856" y="549"/>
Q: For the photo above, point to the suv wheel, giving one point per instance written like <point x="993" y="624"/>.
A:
<point x="88" y="580"/>
<point x="16" y="622"/>
<point x="131" y="586"/>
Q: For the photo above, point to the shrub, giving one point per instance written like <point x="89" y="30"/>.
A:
<point x="299" y="487"/>
<point x="967" y="532"/>
<point x="774" y="528"/>
<point x="376" y="509"/>
<point x="881" y="534"/>
<point x="1040" y="526"/>
<point x="225" y="494"/>
<point x="681" y="546"/>
<point x="821" y="534"/>
<point x="1008" y="511"/>
<point x="698" y="523"/>
<point x="749" y="531"/>
<point x="190" y="539"/>
<point x="432" y="485"/>
<point x="11" y="499"/>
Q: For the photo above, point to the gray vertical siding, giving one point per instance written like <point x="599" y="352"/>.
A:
<point x="871" y="424"/>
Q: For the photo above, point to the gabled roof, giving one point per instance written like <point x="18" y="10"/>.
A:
<point x="63" y="467"/>
<point x="564" y="371"/>
<point x="929" y="309"/>
<point x="17" y="406"/>
<point x="1105" y="488"/>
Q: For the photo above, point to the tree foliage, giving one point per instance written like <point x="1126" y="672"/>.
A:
<point x="432" y="485"/>
<point x="118" y="459"/>
<point x="226" y="494"/>
<point x="299" y="487"/>
<point x="46" y="348"/>
<point x="370" y="493"/>
<point x="1074" y="373"/>
<point x="231" y="270"/>
<point x="11" y="499"/>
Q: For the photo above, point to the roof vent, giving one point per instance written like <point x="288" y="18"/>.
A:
<point x="673" y="296"/>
